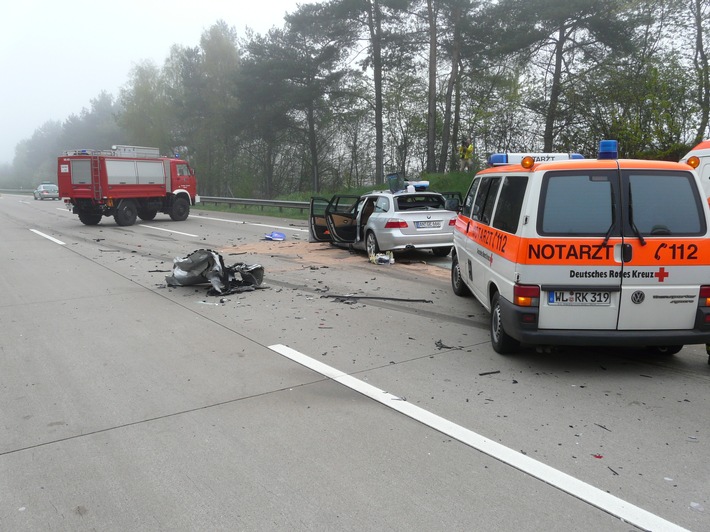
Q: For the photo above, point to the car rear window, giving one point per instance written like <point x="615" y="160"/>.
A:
<point x="411" y="202"/>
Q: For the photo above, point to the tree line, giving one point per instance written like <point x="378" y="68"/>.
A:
<point x="347" y="91"/>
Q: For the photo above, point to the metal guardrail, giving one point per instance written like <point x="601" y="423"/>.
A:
<point x="280" y="204"/>
<point x="262" y="203"/>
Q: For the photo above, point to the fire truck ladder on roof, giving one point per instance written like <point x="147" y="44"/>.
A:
<point x="96" y="177"/>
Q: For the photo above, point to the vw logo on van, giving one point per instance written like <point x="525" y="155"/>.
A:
<point x="638" y="297"/>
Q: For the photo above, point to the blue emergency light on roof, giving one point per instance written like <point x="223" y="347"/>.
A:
<point x="498" y="159"/>
<point x="608" y="149"/>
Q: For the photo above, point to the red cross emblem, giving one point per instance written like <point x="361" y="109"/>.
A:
<point x="661" y="274"/>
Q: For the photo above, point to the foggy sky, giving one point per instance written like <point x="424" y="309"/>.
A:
<point x="58" y="55"/>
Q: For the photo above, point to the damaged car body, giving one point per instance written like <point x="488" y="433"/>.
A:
<point x="207" y="266"/>
<point x="385" y="221"/>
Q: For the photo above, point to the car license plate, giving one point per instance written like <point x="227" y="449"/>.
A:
<point x="428" y="224"/>
<point x="582" y="298"/>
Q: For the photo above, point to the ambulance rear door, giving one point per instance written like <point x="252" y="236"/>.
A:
<point x="667" y="249"/>
<point x="575" y="252"/>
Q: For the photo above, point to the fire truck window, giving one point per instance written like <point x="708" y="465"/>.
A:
<point x="664" y="203"/>
<point x="510" y="203"/>
<point x="183" y="170"/>
<point x="80" y="171"/>
<point x="574" y="204"/>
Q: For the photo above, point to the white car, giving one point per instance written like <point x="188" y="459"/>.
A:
<point x="385" y="221"/>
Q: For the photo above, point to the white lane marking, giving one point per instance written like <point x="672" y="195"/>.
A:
<point x="573" y="486"/>
<point x="48" y="237"/>
<point x="167" y="230"/>
<point x="252" y="223"/>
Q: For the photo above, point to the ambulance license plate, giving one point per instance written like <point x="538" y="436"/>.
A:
<point x="428" y="224"/>
<point x="573" y="298"/>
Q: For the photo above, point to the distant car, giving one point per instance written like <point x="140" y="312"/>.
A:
<point x="385" y="221"/>
<point x="46" y="191"/>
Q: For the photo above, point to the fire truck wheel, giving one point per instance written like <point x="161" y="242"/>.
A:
<point x="459" y="287"/>
<point x="147" y="215"/>
<point x="89" y="219"/>
<point x="502" y="343"/>
<point x="126" y="213"/>
<point x="180" y="210"/>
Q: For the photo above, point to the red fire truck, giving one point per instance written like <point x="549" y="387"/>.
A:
<point x="125" y="182"/>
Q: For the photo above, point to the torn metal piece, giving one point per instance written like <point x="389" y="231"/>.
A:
<point x="207" y="266"/>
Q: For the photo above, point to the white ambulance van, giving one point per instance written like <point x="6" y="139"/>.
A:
<point x="587" y="252"/>
<point x="699" y="158"/>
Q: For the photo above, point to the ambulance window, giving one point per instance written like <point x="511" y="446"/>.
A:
<point x="486" y="199"/>
<point x="664" y="203"/>
<point x="468" y="202"/>
<point x="574" y="204"/>
<point x="510" y="203"/>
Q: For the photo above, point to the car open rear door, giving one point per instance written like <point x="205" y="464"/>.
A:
<point x="317" y="228"/>
<point x="341" y="218"/>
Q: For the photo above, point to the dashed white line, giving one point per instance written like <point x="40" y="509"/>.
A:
<point x="168" y="230"/>
<point x="253" y="223"/>
<point x="573" y="486"/>
<point x="48" y="237"/>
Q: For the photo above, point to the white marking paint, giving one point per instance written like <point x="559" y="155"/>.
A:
<point x="253" y="223"/>
<point x="167" y="230"/>
<point x="48" y="237"/>
<point x="573" y="486"/>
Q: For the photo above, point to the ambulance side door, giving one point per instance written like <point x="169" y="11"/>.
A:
<point x="462" y="234"/>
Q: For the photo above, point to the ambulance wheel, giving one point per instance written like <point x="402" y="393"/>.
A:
<point x="126" y="213"/>
<point x="180" y="210"/>
<point x="502" y="343"/>
<point x="665" y="349"/>
<point x="147" y="215"/>
<point x="457" y="284"/>
<point x="89" y="219"/>
<point x="373" y="248"/>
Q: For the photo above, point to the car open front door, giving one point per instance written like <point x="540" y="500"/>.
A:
<point x="317" y="228"/>
<point x="341" y="218"/>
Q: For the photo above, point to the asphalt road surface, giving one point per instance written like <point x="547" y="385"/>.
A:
<point x="342" y="395"/>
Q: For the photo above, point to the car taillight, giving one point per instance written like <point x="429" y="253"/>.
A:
<point x="526" y="295"/>
<point x="452" y="222"/>
<point x="395" y="223"/>
<point x="704" y="296"/>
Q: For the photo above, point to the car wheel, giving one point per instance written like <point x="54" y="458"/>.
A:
<point x="502" y="342"/>
<point x="126" y="213"/>
<point x="665" y="349"/>
<point x="89" y="219"/>
<point x="441" y="252"/>
<point x="180" y="210"/>
<point x="459" y="287"/>
<point x="371" y="243"/>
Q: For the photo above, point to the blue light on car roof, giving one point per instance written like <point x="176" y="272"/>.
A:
<point x="608" y="149"/>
